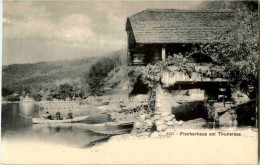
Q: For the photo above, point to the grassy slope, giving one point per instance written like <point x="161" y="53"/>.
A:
<point x="117" y="79"/>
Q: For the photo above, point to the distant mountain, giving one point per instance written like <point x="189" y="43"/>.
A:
<point x="45" y="71"/>
<point x="66" y="71"/>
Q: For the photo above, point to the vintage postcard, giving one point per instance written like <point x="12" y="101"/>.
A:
<point x="129" y="82"/>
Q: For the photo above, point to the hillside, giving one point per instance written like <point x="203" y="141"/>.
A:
<point x="16" y="77"/>
<point x="117" y="80"/>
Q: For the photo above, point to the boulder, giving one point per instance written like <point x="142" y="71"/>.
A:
<point x="145" y="126"/>
<point x="155" y="134"/>
<point x="134" y="132"/>
<point x="168" y="118"/>
<point x="174" y="120"/>
<point x="149" y="123"/>
<point x="147" y="116"/>
<point x="180" y="122"/>
<point x="165" y="114"/>
<point x="173" y="116"/>
<point x="157" y="117"/>
<point x="138" y="125"/>
<point x="169" y="123"/>
<point x="161" y="127"/>
<point x="159" y="122"/>
<point x="163" y="133"/>
<point x="142" y="117"/>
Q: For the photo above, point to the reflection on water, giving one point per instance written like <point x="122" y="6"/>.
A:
<point x="17" y="125"/>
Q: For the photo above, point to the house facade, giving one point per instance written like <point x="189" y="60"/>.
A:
<point x="154" y="35"/>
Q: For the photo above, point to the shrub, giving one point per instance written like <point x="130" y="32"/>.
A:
<point x="13" y="98"/>
<point x="37" y="96"/>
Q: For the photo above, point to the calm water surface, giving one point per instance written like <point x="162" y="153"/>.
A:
<point x="17" y="126"/>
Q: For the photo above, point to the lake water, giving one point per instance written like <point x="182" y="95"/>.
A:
<point x="17" y="126"/>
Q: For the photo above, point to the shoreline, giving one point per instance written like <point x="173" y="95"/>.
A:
<point x="140" y="150"/>
<point x="177" y="145"/>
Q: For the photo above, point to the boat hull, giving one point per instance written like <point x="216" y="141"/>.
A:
<point x="47" y="121"/>
<point x="109" y="128"/>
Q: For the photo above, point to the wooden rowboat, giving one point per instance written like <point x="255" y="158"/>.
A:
<point x="111" y="128"/>
<point x="108" y="128"/>
<point x="47" y="121"/>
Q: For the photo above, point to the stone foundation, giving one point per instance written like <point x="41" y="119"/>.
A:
<point x="166" y="100"/>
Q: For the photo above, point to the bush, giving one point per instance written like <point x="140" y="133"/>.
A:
<point x="65" y="91"/>
<point x="37" y="96"/>
<point x="49" y="98"/>
<point x="13" y="98"/>
<point x="6" y="92"/>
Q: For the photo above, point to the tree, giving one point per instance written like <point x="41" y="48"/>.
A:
<point x="236" y="58"/>
<point x="13" y="98"/>
<point x="65" y="91"/>
<point x="52" y="91"/>
<point x="7" y="91"/>
<point x="82" y="94"/>
<point x="37" y="96"/>
<point x="95" y="78"/>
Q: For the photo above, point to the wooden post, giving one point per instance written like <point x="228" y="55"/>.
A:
<point x="163" y="53"/>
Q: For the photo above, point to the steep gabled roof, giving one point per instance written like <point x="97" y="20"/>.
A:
<point x="178" y="26"/>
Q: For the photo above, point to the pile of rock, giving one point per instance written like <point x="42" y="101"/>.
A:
<point x="156" y="125"/>
<point x="164" y="122"/>
<point x="144" y="125"/>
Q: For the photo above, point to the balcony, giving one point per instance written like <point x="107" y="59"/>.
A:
<point x="169" y="79"/>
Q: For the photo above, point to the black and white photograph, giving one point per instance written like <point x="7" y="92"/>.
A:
<point x="129" y="82"/>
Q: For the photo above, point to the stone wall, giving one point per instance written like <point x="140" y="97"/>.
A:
<point x="166" y="100"/>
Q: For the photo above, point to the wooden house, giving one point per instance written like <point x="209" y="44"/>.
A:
<point x="155" y="34"/>
<point x="158" y="33"/>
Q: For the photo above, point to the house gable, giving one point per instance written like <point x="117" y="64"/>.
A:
<point x="159" y="26"/>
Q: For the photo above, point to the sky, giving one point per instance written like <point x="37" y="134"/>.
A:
<point x="36" y="31"/>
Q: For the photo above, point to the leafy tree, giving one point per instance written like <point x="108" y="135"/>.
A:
<point x="13" y="98"/>
<point x="95" y="78"/>
<point x="6" y="91"/>
<point x="53" y="91"/>
<point x="82" y="94"/>
<point x="65" y="91"/>
<point x="236" y="59"/>
<point x="37" y="96"/>
<point x="49" y="98"/>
